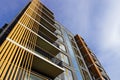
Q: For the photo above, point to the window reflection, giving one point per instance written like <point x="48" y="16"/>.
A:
<point x="62" y="47"/>
<point x="72" y="54"/>
<point x="68" y="75"/>
<point x="30" y="76"/>
<point x="33" y="77"/>
<point x="58" y="32"/>
<point x="64" y="58"/>
<point x="60" y="38"/>
<point x="36" y="77"/>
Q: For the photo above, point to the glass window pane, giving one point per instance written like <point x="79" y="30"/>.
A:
<point x="37" y="77"/>
<point x="58" y="32"/>
<point x="62" y="47"/>
<point x="60" y="38"/>
<point x="68" y="75"/>
<point x="64" y="58"/>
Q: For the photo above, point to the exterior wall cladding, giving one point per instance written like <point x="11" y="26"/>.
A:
<point x="36" y="47"/>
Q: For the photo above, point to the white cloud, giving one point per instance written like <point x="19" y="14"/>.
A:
<point x="109" y="39"/>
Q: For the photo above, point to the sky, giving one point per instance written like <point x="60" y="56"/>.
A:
<point x="97" y="21"/>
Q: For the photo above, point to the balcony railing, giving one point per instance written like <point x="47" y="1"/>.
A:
<point x="43" y="15"/>
<point x="48" y="56"/>
<point x="29" y="75"/>
<point x="40" y="8"/>
<point x="45" y="63"/>
<point x="49" y="38"/>
<point x="44" y="54"/>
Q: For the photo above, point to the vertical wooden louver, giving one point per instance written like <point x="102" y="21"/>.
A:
<point x="15" y="62"/>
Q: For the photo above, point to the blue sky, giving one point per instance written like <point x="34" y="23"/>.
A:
<point x="97" y="21"/>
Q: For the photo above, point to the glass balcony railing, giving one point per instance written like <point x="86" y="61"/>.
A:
<point x="42" y="21"/>
<point x="45" y="63"/>
<point x="40" y="8"/>
<point x="51" y="27"/>
<point x="46" y="45"/>
<point x="36" y="76"/>
<point x="48" y="37"/>
<point x="48" y="56"/>
<point x="48" y="19"/>
<point x="29" y="75"/>
<point x="43" y="15"/>
<point x="44" y="53"/>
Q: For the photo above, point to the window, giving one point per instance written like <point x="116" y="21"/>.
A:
<point x="68" y="75"/>
<point x="72" y="54"/>
<point x="60" y="38"/>
<point x="70" y="37"/>
<point x="30" y="76"/>
<point x="64" y="58"/>
<point x="37" y="77"/>
<point x="58" y="32"/>
<point x="62" y="47"/>
<point x="33" y="77"/>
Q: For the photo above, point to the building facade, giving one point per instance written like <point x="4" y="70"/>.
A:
<point x="34" y="46"/>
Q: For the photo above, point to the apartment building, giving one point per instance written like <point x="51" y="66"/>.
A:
<point x="34" y="46"/>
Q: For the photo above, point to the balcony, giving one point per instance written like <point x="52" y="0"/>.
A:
<point x="45" y="64"/>
<point x="48" y="25"/>
<point x="47" y="11"/>
<point x="41" y="19"/>
<point x="44" y="32"/>
<point x="44" y="10"/>
<point x="45" y="41"/>
<point x="47" y="46"/>
<point x="44" y="21"/>
<point x="48" y="18"/>
<point x="42" y="15"/>
<point x="31" y="75"/>
<point x="36" y="76"/>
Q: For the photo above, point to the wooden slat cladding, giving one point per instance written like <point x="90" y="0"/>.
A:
<point x="15" y="62"/>
<point x="94" y="71"/>
<point x="13" y="59"/>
